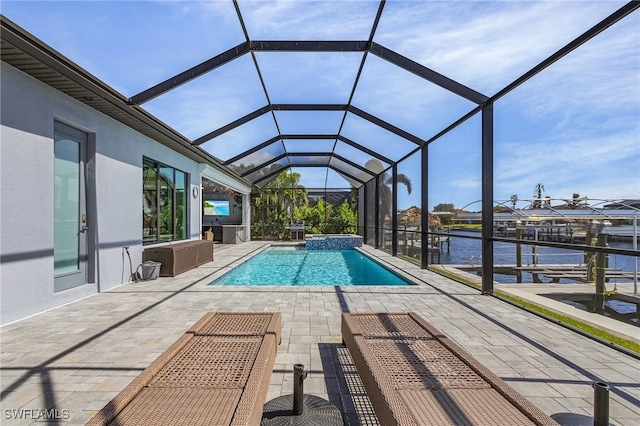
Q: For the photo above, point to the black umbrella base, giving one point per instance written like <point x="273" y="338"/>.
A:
<point x="316" y="412"/>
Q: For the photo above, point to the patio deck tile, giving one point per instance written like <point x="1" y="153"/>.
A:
<point x="78" y="356"/>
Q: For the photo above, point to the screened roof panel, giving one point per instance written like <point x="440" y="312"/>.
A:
<point x="211" y="100"/>
<point x="319" y="177"/>
<point x="353" y="154"/>
<point x="309" y="77"/>
<point x="464" y="143"/>
<point x="261" y="183"/>
<point x="308" y="20"/>
<point x="350" y="169"/>
<point x="268" y="174"/>
<point x="261" y="156"/>
<point x="376" y="138"/>
<point x="309" y="160"/>
<point x="309" y="122"/>
<point x="588" y="118"/>
<point x="406" y="100"/>
<point x="428" y="64"/>
<point x="149" y="50"/>
<point x="309" y="145"/>
<point x="263" y="171"/>
<point x="485" y="45"/>
<point x="352" y="182"/>
<point x="242" y="138"/>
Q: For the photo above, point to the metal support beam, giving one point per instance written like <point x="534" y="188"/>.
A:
<point x="228" y="127"/>
<point x="265" y="109"/>
<point x="424" y="207"/>
<point x="309" y="107"/>
<point x="616" y="16"/>
<point x="364" y="213"/>
<point x="487" y="199"/>
<point x="342" y="172"/>
<point x="252" y="150"/>
<point x="352" y="164"/>
<point x="263" y="165"/>
<point x="387" y="126"/>
<point x="268" y="175"/>
<point x="365" y="150"/>
<point x="309" y="154"/>
<point x="394" y="211"/>
<point x="308" y="46"/>
<point x="308" y="136"/>
<point x="190" y="74"/>
<point x="428" y="74"/>
<point x="303" y="154"/>
<point x="376" y="221"/>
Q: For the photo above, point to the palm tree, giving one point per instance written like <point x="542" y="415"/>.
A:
<point x="276" y="201"/>
<point x="385" y="190"/>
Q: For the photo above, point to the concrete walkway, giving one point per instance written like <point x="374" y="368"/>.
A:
<point x="76" y="358"/>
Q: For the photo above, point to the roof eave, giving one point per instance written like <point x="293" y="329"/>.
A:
<point x="27" y="53"/>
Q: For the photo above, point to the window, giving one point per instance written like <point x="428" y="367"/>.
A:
<point x="164" y="202"/>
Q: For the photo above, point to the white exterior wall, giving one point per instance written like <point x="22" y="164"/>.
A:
<point x="28" y="111"/>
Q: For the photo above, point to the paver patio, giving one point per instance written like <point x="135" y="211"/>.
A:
<point x="77" y="357"/>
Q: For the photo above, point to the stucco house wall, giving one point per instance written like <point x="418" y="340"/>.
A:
<point x="114" y="194"/>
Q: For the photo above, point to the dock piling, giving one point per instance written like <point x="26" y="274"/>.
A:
<point x="601" y="265"/>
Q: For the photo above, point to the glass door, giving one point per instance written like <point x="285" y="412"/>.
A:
<point x="70" y="214"/>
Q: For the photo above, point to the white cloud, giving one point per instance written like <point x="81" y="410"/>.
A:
<point x="406" y="100"/>
<point x="596" y="83"/>
<point x="308" y="20"/>
<point x="603" y="167"/>
<point x="485" y="45"/>
<point x="304" y="77"/>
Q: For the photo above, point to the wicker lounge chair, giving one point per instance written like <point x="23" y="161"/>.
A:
<point x="217" y="373"/>
<point x="414" y="375"/>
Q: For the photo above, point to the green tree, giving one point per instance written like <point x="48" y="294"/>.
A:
<point x="342" y="220"/>
<point x="314" y="216"/>
<point x="445" y="219"/>
<point x="273" y="207"/>
<point x="444" y="207"/>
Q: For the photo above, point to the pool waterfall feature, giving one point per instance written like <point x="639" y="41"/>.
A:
<point x="333" y="241"/>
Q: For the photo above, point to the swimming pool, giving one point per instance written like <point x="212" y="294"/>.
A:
<point x="294" y="266"/>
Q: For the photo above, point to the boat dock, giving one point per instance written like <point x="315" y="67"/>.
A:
<point x="555" y="272"/>
<point x="574" y="273"/>
<point x="555" y="296"/>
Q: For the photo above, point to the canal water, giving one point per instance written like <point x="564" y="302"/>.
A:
<point x="465" y="251"/>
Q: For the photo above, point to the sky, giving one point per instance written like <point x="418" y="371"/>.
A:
<point x="575" y="127"/>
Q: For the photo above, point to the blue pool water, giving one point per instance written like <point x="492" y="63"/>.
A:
<point x="300" y="267"/>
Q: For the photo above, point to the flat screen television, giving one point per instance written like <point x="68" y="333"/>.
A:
<point x="216" y="207"/>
